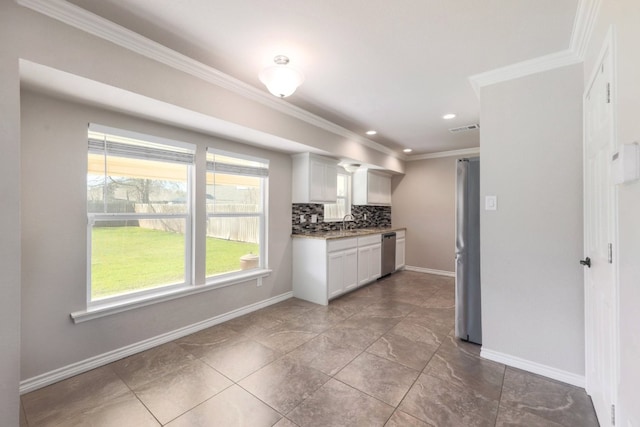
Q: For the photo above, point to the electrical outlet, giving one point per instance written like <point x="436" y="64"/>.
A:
<point x="365" y="217"/>
<point x="259" y="281"/>
<point x="302" y="219"/>
<point x="314" y="218"/>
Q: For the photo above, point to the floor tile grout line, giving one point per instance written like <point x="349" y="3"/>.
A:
<point x="504" y="374"/>
<point x="395" y="408"/>
<point x="199" y="404"/>
<point x="110" y="365"/>
<point x="335" y="374"/>
<point x="236" y="383"/>
<point x="365" y="393"/>
<point x="370" y="299"/>
<point x="196" y="358"/>
<point x="422" y="372"/>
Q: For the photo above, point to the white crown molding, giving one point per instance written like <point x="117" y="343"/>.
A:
<point x="86" y="21"/>
<point x="534" y="367"/>
<point x="452" y="153"/>
<point x="524" y="68"/>
<point x="583" y="25"/>
<point x="85" y="365"/>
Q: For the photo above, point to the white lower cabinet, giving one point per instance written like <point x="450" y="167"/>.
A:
<point x="342" y="272"/>
<point x="369" y="259"/>
<point x="376" y="262"/>
<point x="325" y="269"/>
<point x="400" y="249"/>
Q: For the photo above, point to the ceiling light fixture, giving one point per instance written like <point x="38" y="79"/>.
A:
<point x="280" y="79"/>
<point x="407" y="150"/>
<point x="448" y="116"/>
<point x="371" y="132"/>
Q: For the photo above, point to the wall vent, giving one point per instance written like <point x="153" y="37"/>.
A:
<point x="465" y="128"/>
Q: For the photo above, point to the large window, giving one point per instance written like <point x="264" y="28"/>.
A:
<point x="236" y="187"/>
<point x="139" y="209"/>
<point x="337" y="211"/>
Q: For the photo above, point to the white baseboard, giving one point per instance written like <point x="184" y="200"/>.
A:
<point x="430" y="271"/>
<point x="68" y="371"/>
<point x="536" y="368"/>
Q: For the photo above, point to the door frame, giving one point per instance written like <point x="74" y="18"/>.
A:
<point x="608" y="46"/>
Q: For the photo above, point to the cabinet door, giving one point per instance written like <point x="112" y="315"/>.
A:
<point x="323" y="182"/>
<point x="364" y="259"/>
<point x="373" y="189"/>
<point x="369" y="263"/>
<point x="379" y="189"/>
<point x="384" y="186"/>
<point x="375" y="262"/>
<point x="335" y="274"/>
<point x="400" y="248"/>
<point x="330" y="186"/>
<point x="317" y="182"/>
<point x="350" y="269"/>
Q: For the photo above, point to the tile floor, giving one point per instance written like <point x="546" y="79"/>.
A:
<point x="383" y="355"/>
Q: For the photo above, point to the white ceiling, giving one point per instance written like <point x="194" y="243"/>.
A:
<point x="394" y="66"/>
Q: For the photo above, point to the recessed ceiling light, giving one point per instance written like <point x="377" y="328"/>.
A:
<point x="407" y="150"/>
<point x="448" y="116"/>
<point x="371" y="132"/>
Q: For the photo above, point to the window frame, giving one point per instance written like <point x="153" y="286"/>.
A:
<point x="195" y="280"/>
<point x="227" y="278"/>
<point x="93" y="217"/>
<point x="348" y="198"/>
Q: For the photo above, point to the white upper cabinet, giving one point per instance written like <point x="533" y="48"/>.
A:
<point x="315" y="179"/>
<point x="371" y="188"/>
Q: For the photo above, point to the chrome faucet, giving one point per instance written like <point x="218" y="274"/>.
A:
<point x="344" y="221"/>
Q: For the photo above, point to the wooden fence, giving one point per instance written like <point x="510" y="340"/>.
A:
<point x="240" y="229"/>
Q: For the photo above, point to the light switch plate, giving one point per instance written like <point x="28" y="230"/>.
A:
<point x="314" y="218"/>
<point x="302" y="219"/>
<point x="491" y="203"/>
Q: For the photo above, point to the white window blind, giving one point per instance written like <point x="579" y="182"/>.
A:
<point x="221" y="163"/>
<point x="110" y="141"/>
<point x="141" y="151"/>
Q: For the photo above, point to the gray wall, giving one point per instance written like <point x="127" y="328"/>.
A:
<point x="625" y="15"/>
<point x="42" y="40"/>
<point x="424" y="202"/>
<point x="532" y="284"/>
<point x="54" y="248"/>
<point x="45" y="41"/>
<point x="9" y="225"/>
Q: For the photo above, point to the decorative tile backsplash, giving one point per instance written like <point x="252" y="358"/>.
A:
<point x="377" y="216"/>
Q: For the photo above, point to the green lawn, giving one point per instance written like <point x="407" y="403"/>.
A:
<point x="132" y="258"/>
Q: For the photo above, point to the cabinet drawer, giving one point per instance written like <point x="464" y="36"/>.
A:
<point x="400" y="234"/>
<point x="369" y="240"/>
<point x="341" y="244"/>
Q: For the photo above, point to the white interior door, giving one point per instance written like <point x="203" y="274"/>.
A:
<point x="600" y="237"/>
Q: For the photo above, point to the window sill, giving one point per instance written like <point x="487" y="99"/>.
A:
<point x="107" y="309"/>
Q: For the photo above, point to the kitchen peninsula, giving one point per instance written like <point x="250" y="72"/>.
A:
<point x="327" y="264"/>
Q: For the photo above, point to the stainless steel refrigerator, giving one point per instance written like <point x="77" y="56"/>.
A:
<point x="468" y="310"/>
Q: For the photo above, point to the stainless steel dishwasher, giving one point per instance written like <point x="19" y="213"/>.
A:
<point x="388" y="253"/>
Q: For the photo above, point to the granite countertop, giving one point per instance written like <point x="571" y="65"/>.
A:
<point x="327" y="235"/>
